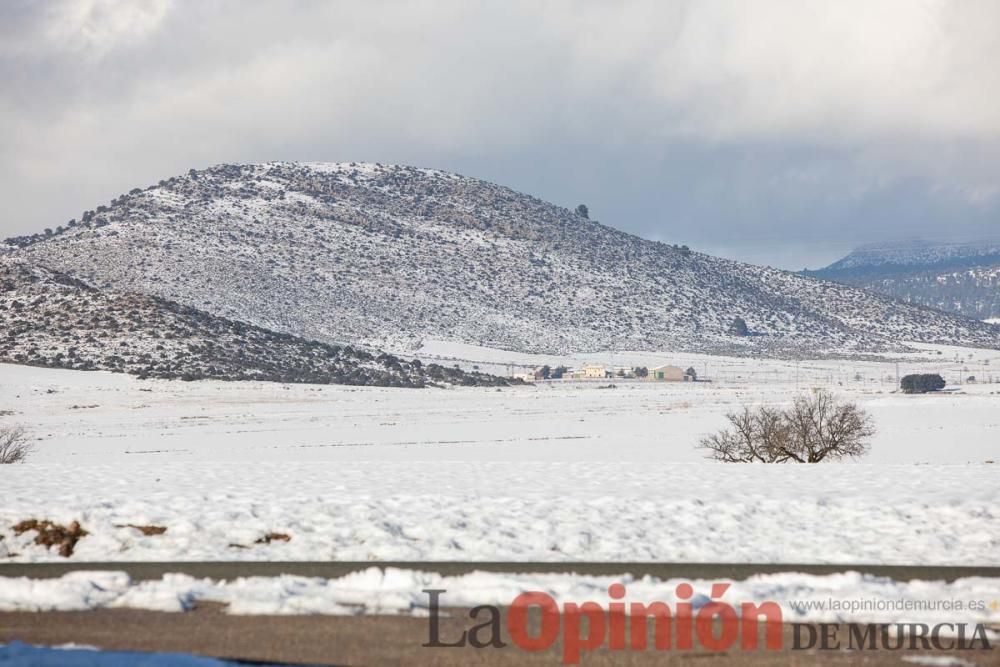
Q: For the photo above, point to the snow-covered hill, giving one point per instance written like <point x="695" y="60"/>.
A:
<point x="387" y="256"/>
<point x="917" y="254"/>
<point x="961" y="278"/>
<point x="49" y="319"/>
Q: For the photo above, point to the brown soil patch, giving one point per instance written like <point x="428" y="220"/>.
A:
<point x="52" y="534"/>
<point x="148" y="531"/>
<point x="266" y="539"/>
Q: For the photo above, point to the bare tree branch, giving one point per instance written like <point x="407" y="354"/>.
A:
<point x="816" y="428"/>
<point x="14" y="445"/>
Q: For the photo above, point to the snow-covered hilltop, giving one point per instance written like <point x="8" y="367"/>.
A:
<point x="387" y="256"/>
<point x="962" y="278"/>
<point x="916" y="254"/>
<point x="50" y="319"/>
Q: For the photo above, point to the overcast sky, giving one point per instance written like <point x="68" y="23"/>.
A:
<point x="779" y="131"/>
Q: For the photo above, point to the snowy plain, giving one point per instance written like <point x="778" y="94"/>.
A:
<point x="552" y="472"/>
<point x="102" y="418"/>
<point x="562" y="471"/>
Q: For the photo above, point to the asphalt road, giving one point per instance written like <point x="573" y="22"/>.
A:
<point x="140" y="571"/>
<point x="398" y="640"/>
<point x="389" y="640"/>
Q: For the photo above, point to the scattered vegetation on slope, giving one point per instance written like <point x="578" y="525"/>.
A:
<point x="961" y="278"/>
<point x="387" y="256"/>
<point x="49" y="319"/>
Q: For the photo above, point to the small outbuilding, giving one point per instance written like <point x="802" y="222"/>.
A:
<point x="667" y="374"/>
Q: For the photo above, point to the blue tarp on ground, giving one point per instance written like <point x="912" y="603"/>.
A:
<point x="18" y="654"/>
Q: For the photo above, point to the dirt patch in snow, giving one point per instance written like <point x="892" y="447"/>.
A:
<point x="148" y="531"/>
<point x="265" y="539"/>
<point x="50" y="534"/>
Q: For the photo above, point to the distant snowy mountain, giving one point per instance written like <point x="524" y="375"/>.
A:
<point x="388" y="256"/>
<point x="49" y="319"/>
<point x="961" y="278"/>
<point x="918" y="254"/>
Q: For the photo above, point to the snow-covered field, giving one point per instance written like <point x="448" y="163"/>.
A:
<point x="505" y="511"/>
<point x="555" y="472"/>
<point x="100" y="418"/>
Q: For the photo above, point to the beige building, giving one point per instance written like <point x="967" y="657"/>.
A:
<point x="667" y="374"/>
<point x="594" y="371"/>
<point x="586" y="372"/>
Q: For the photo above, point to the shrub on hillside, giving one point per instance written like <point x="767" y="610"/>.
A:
<point x="738" y="327"/>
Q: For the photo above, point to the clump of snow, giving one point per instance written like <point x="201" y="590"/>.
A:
<point x="803" y="598"/>
<point x="76" y="591"/>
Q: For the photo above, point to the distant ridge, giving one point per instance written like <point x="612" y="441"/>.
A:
<point x="962" y="278"/>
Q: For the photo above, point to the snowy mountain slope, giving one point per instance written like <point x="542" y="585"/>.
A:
<point x="387" y="256"/>
<point x="961" y="278"/>
<point x="49" y="319"/>
<point x="973" y="292"/>
<point x="916" y="254"/>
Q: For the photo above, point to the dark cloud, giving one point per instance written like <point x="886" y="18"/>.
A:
<point x="783" y="132"/>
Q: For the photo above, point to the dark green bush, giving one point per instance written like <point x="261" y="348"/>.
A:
<point x="921" y="383"/>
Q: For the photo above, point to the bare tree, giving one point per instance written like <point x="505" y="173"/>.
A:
<point x="755" y="436"/>
<point x="822" y="428"/>
<point x="816" y="428"/>
<point x="14" y="445"/>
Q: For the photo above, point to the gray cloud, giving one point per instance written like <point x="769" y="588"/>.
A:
<point x="781" y="132"/>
